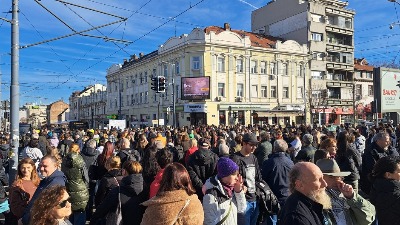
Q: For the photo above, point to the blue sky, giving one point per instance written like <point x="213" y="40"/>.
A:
<point x="52" y="71"/>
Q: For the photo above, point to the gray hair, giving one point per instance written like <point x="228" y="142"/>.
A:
<point x="223" y="149"/>
<point x="380" y="136"/>
<point x="91" y="143"/>
<point x="264" y="136"/>
<point x="280" y="145"/>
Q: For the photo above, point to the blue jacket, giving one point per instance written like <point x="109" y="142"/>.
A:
<point x="275" y="171"/>
<point x="56" y="178"/>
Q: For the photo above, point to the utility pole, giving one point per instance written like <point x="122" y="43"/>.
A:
<point x="14" y="93"/>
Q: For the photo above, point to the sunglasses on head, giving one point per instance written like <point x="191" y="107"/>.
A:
<point x="63" y="203"/>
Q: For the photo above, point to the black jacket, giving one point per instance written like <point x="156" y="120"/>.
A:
<point x="263" y="151"/>
<point x="131" y="195"/>
<point x="202" y="165"/>
<point x="130" y="154"/>
<point x="106" y="184"/>
<point x="371" y="155"/>
<point x="385" y="195"/>
<point x="89" y="155"/>
<point x="301" y="210"/>
<point x="350" y="161"/>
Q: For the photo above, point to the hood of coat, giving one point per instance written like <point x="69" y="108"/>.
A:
<point x="213" y="182"/>
<point x="133" y="183"/>
<point x="113" y="173"/>
<point x="169" y="197"/>
<point x="202" y="156"/>
<point x="89" y="151"/>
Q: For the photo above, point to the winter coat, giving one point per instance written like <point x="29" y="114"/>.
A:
<point x="301" y="210"/>
<point x="216" y="204"/>
<point x="385" y="195"/>
<point x="263" y="151"/>
<point x="155" y="185"/>
<point x="202" y="165"/>
<point x="164" y="208"/>
<point x="75" y="170"/>
<point x="56" y="178"/>
<point x="131" y="195"/>
<point x="19" y="197"/>
<point x="89" y="155"/>
<point x="106" y="184"/>
<point x="306" y="154"/>
<point x="275" y="172"/>
<point x="371" y="155"/>
<point x="129" y="153"/>
<point x="356" y="210"/>
<point x="350" y="161"/>
<point x="43" y="144"/>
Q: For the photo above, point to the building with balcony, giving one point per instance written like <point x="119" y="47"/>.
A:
<point x="326" y="26"/>
<point x="89" y="105"/>
<point x="253" y="78"/>
<point x="364" y="89"/>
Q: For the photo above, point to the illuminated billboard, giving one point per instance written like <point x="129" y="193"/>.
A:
<point x="195" y="88"/>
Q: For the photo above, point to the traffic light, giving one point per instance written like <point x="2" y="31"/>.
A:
<point x="161" y="84"/>
<point x="373" y="107"/>
<point x="154" y="84"/>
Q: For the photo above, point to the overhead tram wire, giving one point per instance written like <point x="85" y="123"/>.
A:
<point x="151" y="31"/>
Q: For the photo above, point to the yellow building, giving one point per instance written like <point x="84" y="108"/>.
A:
<point x="253" y="78"/>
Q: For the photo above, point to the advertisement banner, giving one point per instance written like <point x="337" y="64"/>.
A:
<point x="195" y="108"/>
<point x="389" y="89"/>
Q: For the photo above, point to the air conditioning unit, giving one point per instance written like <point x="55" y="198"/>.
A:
<point x="239" y="99"/>
<point x="219" y="98"/>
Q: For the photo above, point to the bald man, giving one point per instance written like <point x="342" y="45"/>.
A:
<point x="306" y="204"/>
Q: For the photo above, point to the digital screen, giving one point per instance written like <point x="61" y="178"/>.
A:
<point x="195" y="88"/>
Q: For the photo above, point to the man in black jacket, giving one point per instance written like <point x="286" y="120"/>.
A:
<point x="202" y="165"/>
<point x="306" y="204"/>
<point x="264" y="149"/>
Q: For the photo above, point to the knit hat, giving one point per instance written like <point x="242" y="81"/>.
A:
<point x="226" y="167"/>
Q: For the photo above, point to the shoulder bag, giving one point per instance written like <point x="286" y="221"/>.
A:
<point x="115" y="218"/>
<point x="180" y="211"/>
<point x="226" y="216"/>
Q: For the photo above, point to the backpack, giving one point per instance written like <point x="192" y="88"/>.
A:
<point x="131" y="155"/>
<point x="268" y="202"/>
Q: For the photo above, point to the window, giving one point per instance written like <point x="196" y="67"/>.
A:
<point x="357" y="74"/>
<point x="285" y="92"/>
<point x="132" y="99"/>
<point x="318" y="56"/>
<point x="272" y="68"/>
<point x="196" y="62"/>
<point x="253" y="66"/>
<point x="239" y="90"/>
<point x="146" y="95"/>
<point x="299" y="92"/>
<point x="300" y="70"/>
<point x="264" y="91"/>
<point x="370" y="90"/>
<point x="221" y="89"/>
<point x="368" y="75"/>
<point x="316" y="36"/>
<point x="122" y="100"/>
<point x="141" y="98"/>
<point x="145" y="77"/>
<point x="263" y="67"/>
<point x="284" y="69"/>
<point x="165" y="70"/>
<point x="254" y="91"/>
<point x="317" y="75"/>
<point x="239" y="66"/>
<point x="221" y="64"/>
<point x="273" y="91"/>
<point x="127" y="100"/>
<point x="177" y="69"/>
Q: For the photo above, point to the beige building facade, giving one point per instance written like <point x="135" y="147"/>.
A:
<point x="253" y="78"/>
<point x="327" y="28"/>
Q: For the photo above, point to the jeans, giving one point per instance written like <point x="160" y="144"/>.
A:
<point x="78" y="218"/>
<point x="272" y="220"/>
<point x="252" y="212"/>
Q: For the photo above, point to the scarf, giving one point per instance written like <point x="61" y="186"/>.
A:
<point x="228" y="189"/>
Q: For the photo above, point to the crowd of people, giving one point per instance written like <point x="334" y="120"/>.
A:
<point x="237" y="175"/>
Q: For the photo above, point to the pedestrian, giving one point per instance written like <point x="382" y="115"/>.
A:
<point x="110" y="180"/>
<point x="385" y="190"/>
<point x="74" y="168"/>
<point x="32" y="151"/>
<point x="308" y="199"/>
<point x="176" y="201"/>
<point x="348" y="207"/>
<point x="23" y="188"/>
<point x="224" y="196"/>
<point x="52" y="207"/>
<point x="164" y="157"/>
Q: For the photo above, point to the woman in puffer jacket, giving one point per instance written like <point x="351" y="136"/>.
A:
<point x="74" y="168"/>
<point x="224" y="200"/>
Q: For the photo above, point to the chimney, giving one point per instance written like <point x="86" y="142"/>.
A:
<point x="141" y="55"/>
<point x="227" y="26"/>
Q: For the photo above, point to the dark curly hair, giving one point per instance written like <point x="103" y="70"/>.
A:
<point x="47" y="200"/>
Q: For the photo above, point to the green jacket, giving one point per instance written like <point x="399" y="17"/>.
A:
<point x="74" y="168"/>
<point x="357" y="210"/>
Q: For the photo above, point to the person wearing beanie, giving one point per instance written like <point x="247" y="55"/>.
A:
<point x="224" y="201"/>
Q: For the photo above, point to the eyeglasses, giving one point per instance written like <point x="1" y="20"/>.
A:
<point x="63" y="203"/>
